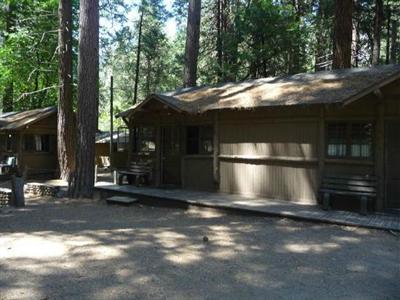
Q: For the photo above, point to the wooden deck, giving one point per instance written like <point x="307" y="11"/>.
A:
<point x="257" y="205"/>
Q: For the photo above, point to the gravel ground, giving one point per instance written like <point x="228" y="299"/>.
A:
<point x="55" y="249"/>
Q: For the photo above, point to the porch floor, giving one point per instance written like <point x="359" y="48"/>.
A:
<point x="258" y="205"/>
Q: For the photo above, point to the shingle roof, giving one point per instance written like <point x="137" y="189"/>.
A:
<point x="104" y="137"/>
<point x="19" y="120"/>
<point x="327" y="87"/>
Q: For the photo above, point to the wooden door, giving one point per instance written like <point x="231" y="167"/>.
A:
<point x="170" y="156"/>
<point x="392" y="132"/>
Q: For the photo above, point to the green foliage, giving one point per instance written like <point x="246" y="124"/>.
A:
<point x="256" y="38"/>
<point x="28" y="57"/>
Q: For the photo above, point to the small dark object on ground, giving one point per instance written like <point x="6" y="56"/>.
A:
<point x="205" y="239"/>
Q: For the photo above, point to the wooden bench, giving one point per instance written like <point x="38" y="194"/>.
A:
<point x="362" y="187"/>
<point x="137" y="171"/>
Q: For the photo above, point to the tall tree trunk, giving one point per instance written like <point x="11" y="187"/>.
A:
<point x="66" y="121"/>
<point x="388" y="23"/>
<point x="319" y="47"/>
<point x="355" y="35"/>
<point x="376" y="51"/>
<point x="342" y="34"/>
<point x="88" y="94"/>
<point x="393" y="48"/>
<point x="138" y="53"/>
<point x="219" y="39"/>
<point x="192" y="43"/>
<point x="8" y="97"/>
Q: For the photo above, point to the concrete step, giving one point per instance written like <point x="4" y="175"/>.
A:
<point x="121" y="200"/>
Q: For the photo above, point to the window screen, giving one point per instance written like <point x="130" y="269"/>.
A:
<point x="199" y="140"/>
<point x="350" y="140"/>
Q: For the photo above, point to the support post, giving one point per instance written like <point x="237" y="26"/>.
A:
<point x="158" y="156"/>
<point x="321" y="146"/>
<point x="111" y="124"/>
<point x="216" y="150"/>
<point x="380" y="156"/>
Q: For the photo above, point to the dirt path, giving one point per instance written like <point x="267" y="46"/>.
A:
<point x="61" y="250"/>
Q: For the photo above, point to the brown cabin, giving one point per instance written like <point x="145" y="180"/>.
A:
<point x="31" y="138"/>
<point x="275" y="137"/>
<point x="120" y="148"/>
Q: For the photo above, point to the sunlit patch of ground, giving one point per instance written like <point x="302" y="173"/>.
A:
<point x="62" y="249"/>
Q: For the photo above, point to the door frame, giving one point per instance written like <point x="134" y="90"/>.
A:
<point x="161" y="156"/>
<point x="386" y="160"/>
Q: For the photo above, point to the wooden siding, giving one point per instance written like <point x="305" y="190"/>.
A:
<point x="287" y="139"/>
<point x="272" y="159"/>
<point x="198" y="173"/>
<point x="292" y="182"/>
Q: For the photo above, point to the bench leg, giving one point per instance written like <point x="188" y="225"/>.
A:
<point x="364" y="205"/>
<point x="137" y="180"/>
<point x="120" y="179"/>
<point x="326" y="201"/>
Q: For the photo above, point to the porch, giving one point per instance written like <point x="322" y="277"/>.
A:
<point x="258" y="206"/>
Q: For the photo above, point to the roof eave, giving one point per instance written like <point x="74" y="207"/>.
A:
<point x="371" y="89"/>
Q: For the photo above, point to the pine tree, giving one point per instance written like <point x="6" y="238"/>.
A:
<point x="66" y="120"/>
<point x="88" y="96"/>
<point x="342" y="34"/>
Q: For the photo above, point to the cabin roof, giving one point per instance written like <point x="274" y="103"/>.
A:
<point x="104" y="137"/>
<point x="325" y="87"/>
<point x="19" y="120"/>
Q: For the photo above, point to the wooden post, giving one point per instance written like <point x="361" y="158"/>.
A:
<point x="17" y="183"/>
<point x="19" y="154"/>
<point x="130" y="125"/>
<point x="158" y="155"/>
<point x="321" y="146"/>
<point x="380" y="156"/>
<point x="182" y="150"/>
<point x="216" y="150"/>
<point x="111" y="123"/>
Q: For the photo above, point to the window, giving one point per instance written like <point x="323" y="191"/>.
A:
<point x="199" y="140"/>
<point x="38" y="143"/>
<point x="122" y="139"/>
<point x="143" y="139"/>
<point x="6" y="142"/>
<point x="337" y="140"/>
<point x="349" y="140"/>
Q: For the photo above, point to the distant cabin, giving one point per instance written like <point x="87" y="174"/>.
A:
<point x="28" y="139"/>
<point x="275" y="137"/>
<point x="120" y="148"/>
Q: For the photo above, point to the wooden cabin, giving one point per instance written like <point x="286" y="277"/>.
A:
<point x="119" y="149"/>
<point x="275" y="137"/>
<point x="31" y="137"/>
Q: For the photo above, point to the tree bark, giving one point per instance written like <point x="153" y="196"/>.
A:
<point x="342" y="34"/>
<point x="66" y="121"/>
<point x="88" y="94"/>
<point x="376" y="51"/>
<point x="393" y="48"/>
<point x="138" y="53"/>
<point x="388" y="24"/>
<point x="356" y="35"/>
<point x="192" y="43"/>
<point x="219" y="39"/>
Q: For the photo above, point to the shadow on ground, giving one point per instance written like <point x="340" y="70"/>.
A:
<point x="68" y="250"/>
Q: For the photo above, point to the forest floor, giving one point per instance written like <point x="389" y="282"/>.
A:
<point x="62" y="249"/>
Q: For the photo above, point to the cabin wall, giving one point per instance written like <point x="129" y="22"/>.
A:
<point x="103" y="153"/>
<point x="269" y="153"/>
<point x="197" y="173"/>
<point x="41" y="162"/>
